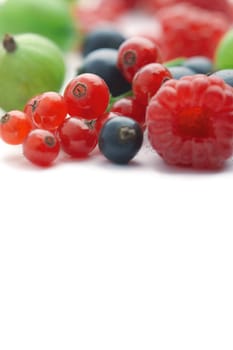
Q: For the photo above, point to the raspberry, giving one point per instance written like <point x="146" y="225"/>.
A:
<point x="210" y="5"/>
<point x="190" y="121"/>
<point x="190" y="31"/>
<point x="103" y="11"/>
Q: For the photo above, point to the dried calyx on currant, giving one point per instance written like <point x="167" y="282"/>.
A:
<point x="188" y="116"/>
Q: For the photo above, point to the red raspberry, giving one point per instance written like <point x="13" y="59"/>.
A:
<point x="103" y="11"/>
<point x="190" y="121"/>
<point x="210" y="5"/>
<point x="190" y="31"/>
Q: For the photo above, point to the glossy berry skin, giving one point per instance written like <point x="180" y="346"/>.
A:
<point x="120" y="139"/>
<point x="226" y="75"/>
<point x="87" y="96"/>
<point x="103" y="62"/>
<point x="199" y="64"/>
<point x="28" y="108"/>
<point x="135" y="53"/>
<point x="14" y="127"/>
<point x="148" y="80"/>
<point x="190" y="31"/>
<point x="103" y="37"/>
<point x="41" y="147"/>
<point x="77" y="137"/>
<point x="102" y="120"/>
<point x="179" y="72"/>
<point x="47" y="110"/>
<point x="130" y="107"/>
<point x="190" y="121"/>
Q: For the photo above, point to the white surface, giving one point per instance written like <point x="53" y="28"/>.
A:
<point x="97" y="256"/>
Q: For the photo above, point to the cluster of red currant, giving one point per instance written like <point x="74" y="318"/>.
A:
<point x="189" y="120"/>
<point x="73" y="121"/>
<point x="49" y="121"/>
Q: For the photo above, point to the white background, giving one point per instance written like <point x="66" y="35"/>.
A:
<point x="98" y="256"/>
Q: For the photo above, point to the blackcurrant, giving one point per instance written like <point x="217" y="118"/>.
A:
<point x="103" y="63"/>
<point x="226" y="75"/>
<point x="120" y="139"/>
<point x="199" y="64"/>
<point x="105" y="37"/>
<point x="180" y="71"/>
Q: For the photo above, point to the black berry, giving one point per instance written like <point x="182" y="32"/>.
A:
<point x="105" y="37"/>
<point x="180" y="71"/>
<point x="199" y="64"/>
<point x="226" y="75"/>
<point x="103" y="63"/>
<point x="120" y="139"/>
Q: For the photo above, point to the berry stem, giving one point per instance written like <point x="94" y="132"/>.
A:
<point x="9" y="43"/>
<point x="115" y="99"/>
<point x="175" y="62"/>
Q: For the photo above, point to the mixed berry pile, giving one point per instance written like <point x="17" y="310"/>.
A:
<point x="167" y="88"/>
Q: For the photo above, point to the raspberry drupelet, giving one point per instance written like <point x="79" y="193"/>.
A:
<point x="190" y="121"/>
<point x="190" y="31"/>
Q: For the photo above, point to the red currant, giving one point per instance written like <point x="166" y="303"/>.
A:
<point x="148" y="80"/>
<point x="78" y="137"/>
<point x="102" y="120"/>
<point x="130" y="107"/>
<point x="135" y="53"/>
<point x="29" y="106"/>
<point x="14" y="127"/>
<point x="87" y="96"/>
<point x="47" y="110"/>
<point x="41" y="147"/>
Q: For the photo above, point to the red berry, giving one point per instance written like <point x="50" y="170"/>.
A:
<point x="148" y="80"/>
<point x="135" y="53"/>
<point x="87" y="96"/>
<point x="47" y="110"/>
<point x="210" y="5"/>
<point x="101" y="12"/>
<point x="213" y="5"/>
<point x="130" y="107"/>
<point x="41" y="147"/>
<point x="190" y="31"/>
<point x="101" y="120"/>
<point x="14" y="127"/>
<point x="190" y="121"/>
<point x="78" y="137"/>
<point x="28" y="108"/>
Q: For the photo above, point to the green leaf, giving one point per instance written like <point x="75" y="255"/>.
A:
<point x="176" y="62"/>
<point x="115" y="99"/>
